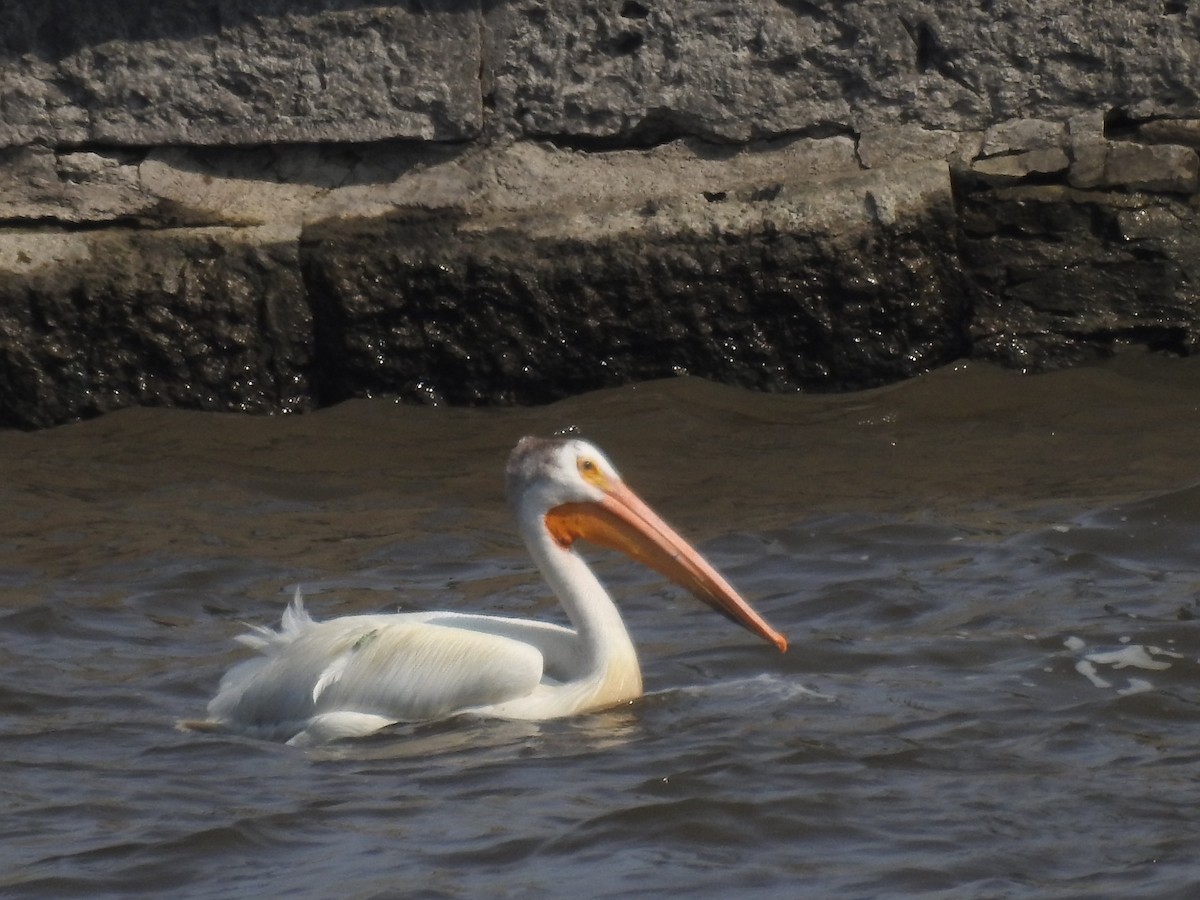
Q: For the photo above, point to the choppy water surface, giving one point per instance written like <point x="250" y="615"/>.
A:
<point x="990" y="583"/>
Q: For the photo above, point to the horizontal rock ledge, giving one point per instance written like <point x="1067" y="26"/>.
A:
<point x="848" y="281"/>
<point x="528" y="272"/>
<point x="517" y="276"/>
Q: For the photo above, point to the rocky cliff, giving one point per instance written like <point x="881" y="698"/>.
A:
<point x="266" y="205"/>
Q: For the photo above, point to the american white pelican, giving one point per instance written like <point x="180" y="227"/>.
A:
<point x="350" y="676"/>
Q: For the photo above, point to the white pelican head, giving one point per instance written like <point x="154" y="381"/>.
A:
<point x="576" y="493"/>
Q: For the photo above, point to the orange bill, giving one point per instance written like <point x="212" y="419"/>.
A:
<point x="621" y="521"/>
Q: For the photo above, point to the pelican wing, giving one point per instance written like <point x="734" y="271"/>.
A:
<point x="358" y="673"/>
<point x="559" y="646"/>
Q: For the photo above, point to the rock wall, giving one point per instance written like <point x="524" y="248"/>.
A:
<point x="266" y="205"/>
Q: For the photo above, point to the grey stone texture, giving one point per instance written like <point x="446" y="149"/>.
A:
<point x="267" y="205"/>
<point x="226" y="72"/>
<point x="722" y="284"/>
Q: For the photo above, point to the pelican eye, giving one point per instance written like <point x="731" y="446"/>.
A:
<point x="591" y="471"/>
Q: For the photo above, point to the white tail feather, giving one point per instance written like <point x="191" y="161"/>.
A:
<point x="295" y="621"/>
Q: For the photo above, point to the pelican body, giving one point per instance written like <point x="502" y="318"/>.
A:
<point x="350" y="676"/>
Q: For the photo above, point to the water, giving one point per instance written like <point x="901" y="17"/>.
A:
<point x="990" y="583"/>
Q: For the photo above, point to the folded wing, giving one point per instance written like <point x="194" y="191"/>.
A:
<point x="367" y="671"/>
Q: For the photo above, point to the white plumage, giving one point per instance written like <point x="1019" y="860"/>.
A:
<point x="346" y="677"/>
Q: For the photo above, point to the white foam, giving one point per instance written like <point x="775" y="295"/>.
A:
<point x="1131" y="656"/>
<point x="766" y="684"/>
<point x="1159" y="651"/>
<point x="1136" y="686"/>
<point x="1088" y="671"/>
<point x="1135" y="655"/>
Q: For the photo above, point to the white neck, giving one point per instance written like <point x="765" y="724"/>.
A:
<point x="608" y="659"/>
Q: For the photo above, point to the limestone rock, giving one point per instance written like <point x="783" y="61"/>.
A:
<point x="900" y="144"/>
<point x="1088" y="149"/>
<point x="775" y="285"/>
<point x="202" y="72"/>
<point x="1170" y="131"/>
<point x="1018" y="166"/>
<point x="1016" y="136"/>
<point x="1155" y="167"/>
<point x="70" y="187"/>
<point x="624" y="72"/>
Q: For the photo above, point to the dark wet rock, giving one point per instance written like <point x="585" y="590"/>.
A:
<point x="205" y="319"/>
<point x="1065" y="276"/>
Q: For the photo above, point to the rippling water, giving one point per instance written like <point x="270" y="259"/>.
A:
<point x="990" y="583"/>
